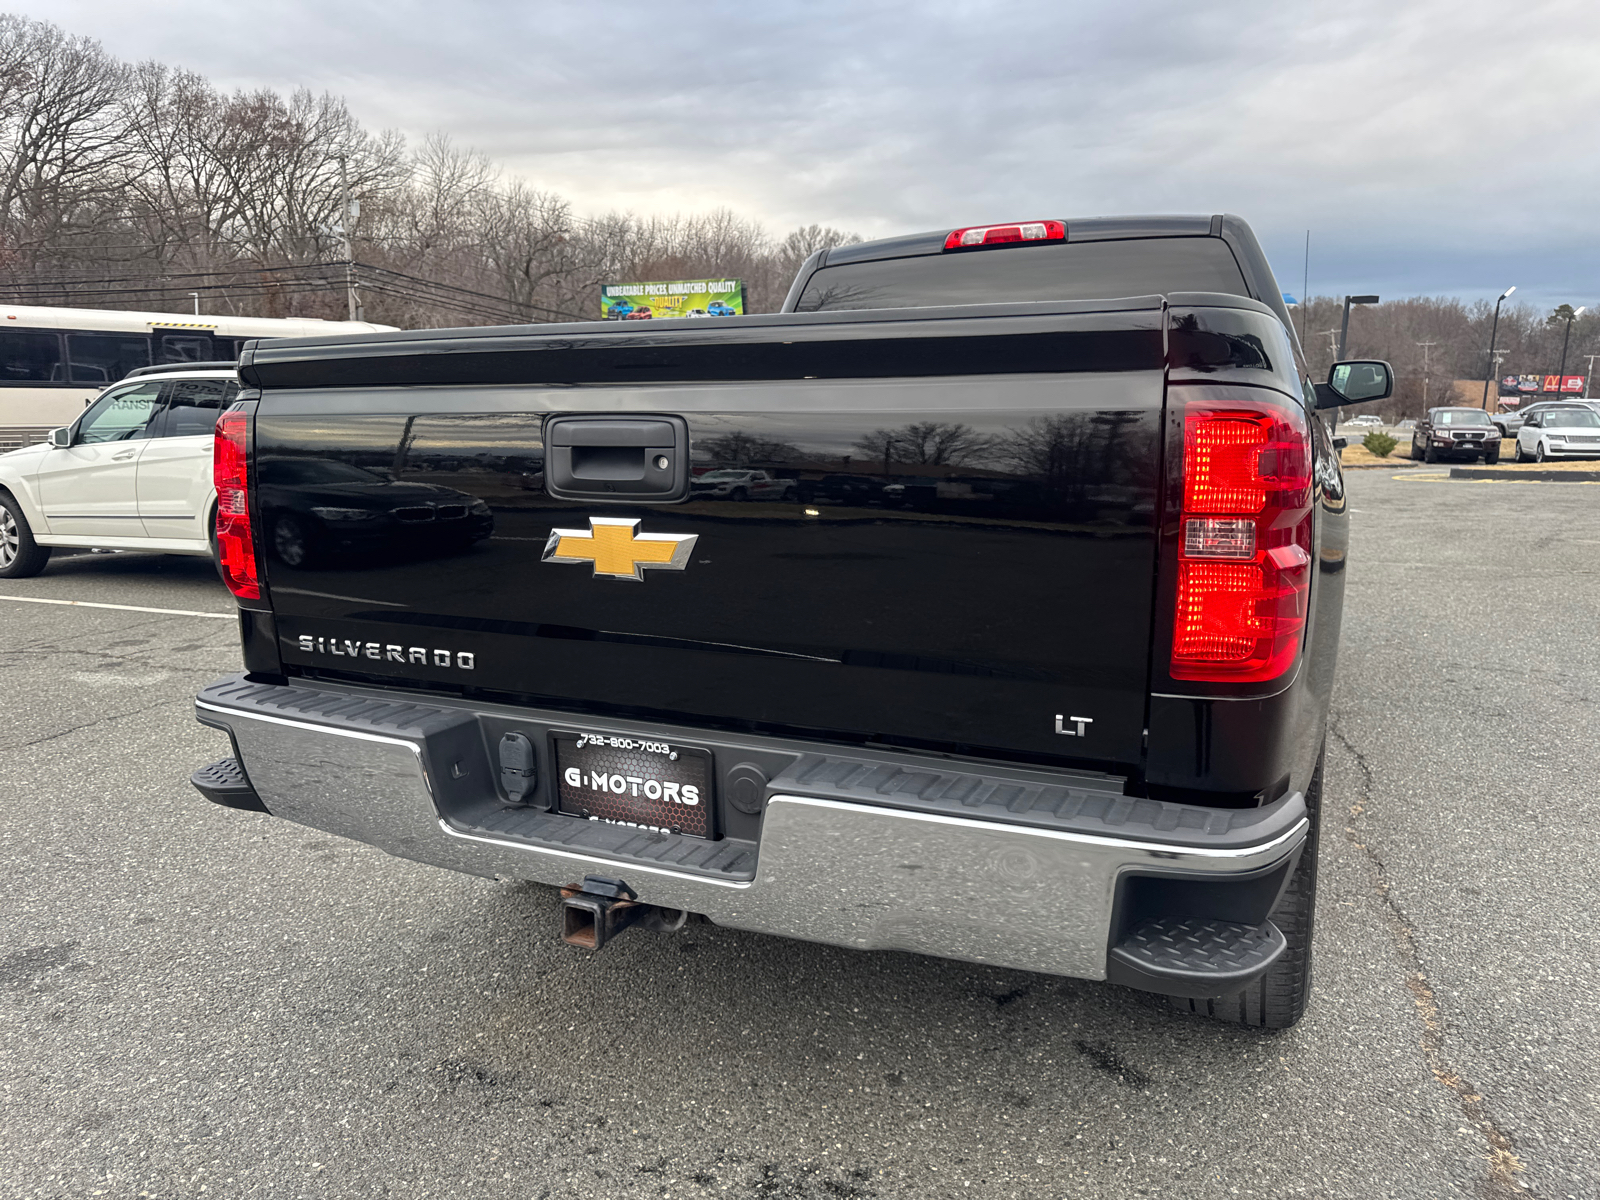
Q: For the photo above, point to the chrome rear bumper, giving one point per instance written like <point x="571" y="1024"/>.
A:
<point x="848" y="874"/>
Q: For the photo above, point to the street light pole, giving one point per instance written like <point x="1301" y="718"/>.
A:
<point x="1344" y="334"/>
<point x="1493" y="331"/>
<point x="1561" y="375"/>
<point x="1344" y="328"/>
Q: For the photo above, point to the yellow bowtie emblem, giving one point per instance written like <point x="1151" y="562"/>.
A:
<point x="617" y="550"/>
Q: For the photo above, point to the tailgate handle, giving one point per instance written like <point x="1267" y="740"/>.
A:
<point x="626" y="459"/>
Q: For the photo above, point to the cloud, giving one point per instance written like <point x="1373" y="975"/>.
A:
<point x="1431" y="146"/>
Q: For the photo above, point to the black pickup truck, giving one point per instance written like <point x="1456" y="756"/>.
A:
<point x="1059" y="706"/>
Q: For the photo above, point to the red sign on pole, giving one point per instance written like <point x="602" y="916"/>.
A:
<point x="1552" y="383"/>
<point x="1572" y="383"/>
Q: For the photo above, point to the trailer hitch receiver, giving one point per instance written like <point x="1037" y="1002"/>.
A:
<point x="596" y="910"/>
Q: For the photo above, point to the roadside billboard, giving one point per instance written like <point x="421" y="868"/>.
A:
<point x="676" y="298"/>
<point x="1561" y="383"/>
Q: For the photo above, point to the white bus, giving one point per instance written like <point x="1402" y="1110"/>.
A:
<point x="53" y="361"/>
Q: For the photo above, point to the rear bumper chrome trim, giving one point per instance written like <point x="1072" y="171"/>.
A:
<point x="850" y="874"/>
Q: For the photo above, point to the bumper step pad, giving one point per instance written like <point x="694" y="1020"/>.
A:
<point x="1194" y="957"/>
<point x="224" y="783"/>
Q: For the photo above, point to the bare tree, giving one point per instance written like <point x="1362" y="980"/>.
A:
<point x="739" y="449"/>
<point x="63" y="155"/>
<point x="935" y="443"/>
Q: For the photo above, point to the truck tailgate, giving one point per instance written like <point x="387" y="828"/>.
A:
<point x="994" y="603"/>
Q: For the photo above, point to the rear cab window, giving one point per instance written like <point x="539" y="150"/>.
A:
<point x="1099" y="270"/>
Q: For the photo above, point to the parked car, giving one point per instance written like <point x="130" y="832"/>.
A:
<point x="1570" y="431"/>
<point x="1367" y="420"/>
<point x="1455" y="433"/>
<point x="313" y="508"/>
<point x="742" y="485"/>
<point x="845" y="489"/>
<point x="1510" y="422"/>
<point x="132" y="473"/>
<point x="718" y="309"/>
<point x="1406" y="425"/>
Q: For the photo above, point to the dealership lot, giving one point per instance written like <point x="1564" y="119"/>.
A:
<point x="193" y="997"/>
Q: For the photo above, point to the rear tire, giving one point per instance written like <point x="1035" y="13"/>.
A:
<point x="738" y="495"/>
<point x="1491" y="459"/>
<point x="1278" y="999"/>
<point x="20" y="556"/>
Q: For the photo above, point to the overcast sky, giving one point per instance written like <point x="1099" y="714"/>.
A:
<point x="1431" y="146"/>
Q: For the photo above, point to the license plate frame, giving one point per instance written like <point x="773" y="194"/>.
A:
<point x="639" y="766"/>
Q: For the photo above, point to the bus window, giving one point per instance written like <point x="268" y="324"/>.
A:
<point x="105" y="357"/>
<point x="30" y="357"/>
<point x="176" y="348"/>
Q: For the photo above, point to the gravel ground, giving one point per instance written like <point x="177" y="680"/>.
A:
<point x="196" y="1001"/>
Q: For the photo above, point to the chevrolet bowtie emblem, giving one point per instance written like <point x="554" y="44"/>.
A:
<point x="617" y="551"/>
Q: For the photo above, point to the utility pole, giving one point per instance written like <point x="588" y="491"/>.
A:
<point x="347" y="216"/>
<point x="196" y="296"/>
<point x="1591" y="358"/>
<point x="1426" y="346"/>
<point x="1497" y="357"/>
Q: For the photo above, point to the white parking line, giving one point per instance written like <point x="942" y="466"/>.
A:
<point x="166" y="612"/>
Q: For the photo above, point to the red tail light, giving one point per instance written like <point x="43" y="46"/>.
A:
<point x="1244" y="556"/>
<point x="236" y="544"/>
<point x="1000" y="235"/>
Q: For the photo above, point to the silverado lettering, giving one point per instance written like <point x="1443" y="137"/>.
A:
<point x="462" y="659"/>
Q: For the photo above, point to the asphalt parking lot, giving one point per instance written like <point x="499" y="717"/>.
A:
<point x="200" y="1001"/>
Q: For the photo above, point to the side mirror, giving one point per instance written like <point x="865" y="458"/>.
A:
<point x="61" y="438"/>
<point x="1356" y="383"/>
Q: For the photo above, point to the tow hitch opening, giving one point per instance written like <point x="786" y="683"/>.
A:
<point x="596" y="910"/>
